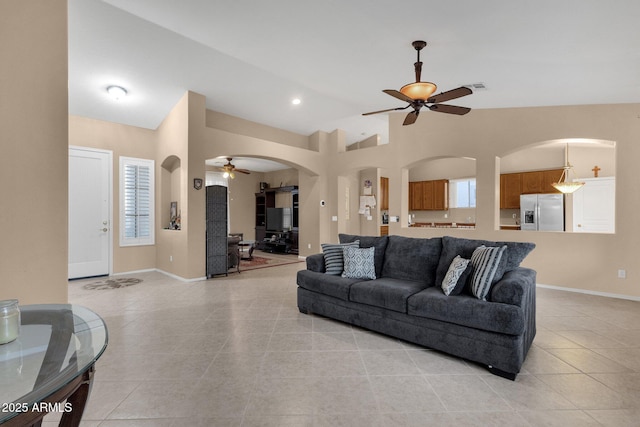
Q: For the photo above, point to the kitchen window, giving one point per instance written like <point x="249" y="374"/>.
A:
<point x="462" y="193"/>
<point x="137" y="220"/>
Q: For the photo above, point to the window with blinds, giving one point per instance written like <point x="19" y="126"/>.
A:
<point x="136" y="202"/>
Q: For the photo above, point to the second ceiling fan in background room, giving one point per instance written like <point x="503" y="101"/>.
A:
<point x="230" y="169"/>
<point x="419" y="94"/>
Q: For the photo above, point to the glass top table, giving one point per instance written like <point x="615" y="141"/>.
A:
<point x="51" y="361"/>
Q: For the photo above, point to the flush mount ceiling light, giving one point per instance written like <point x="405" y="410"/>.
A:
<point x="296" y="101"/>
<point x="116" y="92"/>
<point x="564" y="185"/>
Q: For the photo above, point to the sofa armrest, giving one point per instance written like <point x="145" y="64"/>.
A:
<point x="315" y="262"/>
<point x="513" y="286"/>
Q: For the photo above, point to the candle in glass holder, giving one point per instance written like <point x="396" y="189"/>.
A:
<point x="9" y="320"/>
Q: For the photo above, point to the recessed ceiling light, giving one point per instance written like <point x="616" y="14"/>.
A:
<point x="117" y="92"/>
<point x="296" y="101"/>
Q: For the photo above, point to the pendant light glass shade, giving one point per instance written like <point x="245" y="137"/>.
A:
<point x="418" y="90"/>
<point x="564" y="185"/>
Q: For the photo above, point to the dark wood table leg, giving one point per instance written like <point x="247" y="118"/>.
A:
<point x="78" y="401"/>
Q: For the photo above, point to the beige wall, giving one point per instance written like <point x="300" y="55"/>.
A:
<point x="589" y="261"/>
<point x="242" y="203"/>
<point x="34" y="143"/>
<point x="121" y="140"/>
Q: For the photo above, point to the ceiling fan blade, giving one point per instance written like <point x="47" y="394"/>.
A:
<point x="411" y="118"/>
<point x="384" y="111"/>
<point x="450" y="109"/>
<point x="401" y="96"/>
<point x="242" y="171"/>
<point x="450" y="94"/>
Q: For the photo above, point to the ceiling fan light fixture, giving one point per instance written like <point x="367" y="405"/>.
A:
<point x="419" y="90"/>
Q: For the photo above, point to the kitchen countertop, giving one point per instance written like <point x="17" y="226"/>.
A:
<point x="444" y="225"/>
<point x="510" y="226"/>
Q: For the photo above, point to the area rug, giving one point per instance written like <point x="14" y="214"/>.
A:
<point x="112" y="284"/>
<point x="264" y="262"/>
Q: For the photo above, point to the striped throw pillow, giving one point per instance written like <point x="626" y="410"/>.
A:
<point x="485" y="261"/>
<point x="333" y="256"/>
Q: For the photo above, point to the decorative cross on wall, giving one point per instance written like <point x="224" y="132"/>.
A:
<point x="595" y="170"/>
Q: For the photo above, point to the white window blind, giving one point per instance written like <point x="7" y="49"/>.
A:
<point x="136" y="202"/>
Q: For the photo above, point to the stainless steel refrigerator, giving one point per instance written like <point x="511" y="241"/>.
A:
<point x="542" y="212"/>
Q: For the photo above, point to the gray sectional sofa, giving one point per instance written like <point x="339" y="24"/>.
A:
<point x="406" y="300"/>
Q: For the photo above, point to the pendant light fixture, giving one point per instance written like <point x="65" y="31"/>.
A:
<point x="564" y="185"/>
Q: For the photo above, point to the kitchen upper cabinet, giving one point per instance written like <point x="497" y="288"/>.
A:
<point x="384" y="193"/>
<point x="510" y="190"/>
<point x="415" y="196"/>
<point x="548" y="178"/>
<point x="429" y="195"/>
<point x="512" y="185"/>
<point x="540" y="181"/>
<point x="531" y="182"/>
<point x="441" y="194"/>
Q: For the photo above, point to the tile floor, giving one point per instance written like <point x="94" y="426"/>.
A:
<point x="235" y="351"/>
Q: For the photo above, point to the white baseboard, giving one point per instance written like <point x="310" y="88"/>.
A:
<point x="584" y="291"/>
<point x="148" y="270"/>
<point x="166" y="273"/>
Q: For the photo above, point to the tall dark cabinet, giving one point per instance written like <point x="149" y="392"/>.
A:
<point x="217" y="258"/>
<point x="281" y="239"/>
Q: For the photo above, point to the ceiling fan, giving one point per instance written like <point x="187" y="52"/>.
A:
<point x="230" y="169"/>
<point x="419" y="94"/>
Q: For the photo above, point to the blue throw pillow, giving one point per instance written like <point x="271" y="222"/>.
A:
<point x="485" y="261"/>
<point x="452" y="246"/>
<point x="359" y="263"/>
<point x="457" y="275"/>
<point x="333" y="256"/>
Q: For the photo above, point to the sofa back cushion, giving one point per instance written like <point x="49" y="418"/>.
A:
<point x="379" y="243"/>
<point x="409" y="258"/>
<point x="452" y="246"/>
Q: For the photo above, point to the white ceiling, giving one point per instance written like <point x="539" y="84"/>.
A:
<point x="251" y="57"/>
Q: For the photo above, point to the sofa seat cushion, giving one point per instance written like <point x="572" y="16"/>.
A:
<point x="466" y="310"/>
<point x="385" y="292"/>
<point x="335" y="286"/>
<point x="410" y="258"/>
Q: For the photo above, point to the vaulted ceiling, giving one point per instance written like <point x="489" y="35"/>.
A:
<point x="250" y="58"/>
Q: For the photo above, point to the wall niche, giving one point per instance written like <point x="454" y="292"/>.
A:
<point x="170" y="193"/>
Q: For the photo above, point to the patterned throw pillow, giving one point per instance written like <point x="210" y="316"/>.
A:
<point x="358" y="263"/>
<point x="452" y="282"/>
<point x="485" y="261"/>
<point x="333" y="258"/>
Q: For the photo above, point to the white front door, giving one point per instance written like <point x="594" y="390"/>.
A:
<point x="89" y="212"/>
